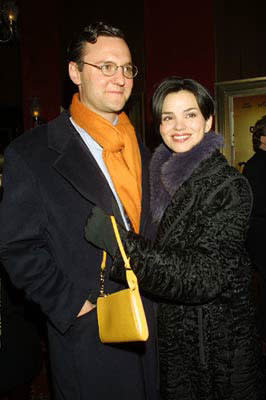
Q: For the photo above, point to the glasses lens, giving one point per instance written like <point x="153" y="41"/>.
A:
<point x="130" y="71"/>
<point x="109" y="69"/>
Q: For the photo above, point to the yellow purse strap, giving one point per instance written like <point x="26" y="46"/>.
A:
<point x="103" y="265"/>
<point x="120" y="244"/>
<point x="131" y="278"/>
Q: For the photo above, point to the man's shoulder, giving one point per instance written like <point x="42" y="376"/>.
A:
<point x="37" y="137"/>
<point x="144" y="150"/>
<point x="255" y="164"/>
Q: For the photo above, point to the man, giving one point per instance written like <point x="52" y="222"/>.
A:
<point x="255" y="172"/>
<point x="53" y="177"/>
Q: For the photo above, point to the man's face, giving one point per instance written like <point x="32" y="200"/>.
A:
<point x="263" y="143"/>
<point x="105" y="95"/>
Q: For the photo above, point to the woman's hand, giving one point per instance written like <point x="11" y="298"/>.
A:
<point x="99" y="231"/>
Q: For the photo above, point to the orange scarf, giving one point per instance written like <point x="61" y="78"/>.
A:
<point x="120" y="153"/>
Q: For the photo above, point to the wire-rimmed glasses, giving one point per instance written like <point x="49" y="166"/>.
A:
<point x="109" y="69"/>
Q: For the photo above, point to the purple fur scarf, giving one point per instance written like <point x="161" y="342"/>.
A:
<point x="169" y="170"/>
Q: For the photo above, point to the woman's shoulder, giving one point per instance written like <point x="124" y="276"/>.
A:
<point x="229" y="182"/>
<point x="221" y="176"/>
<point x="232" y="174"/>
<point x="217" y="169"/>
<point x="222" y="167"/>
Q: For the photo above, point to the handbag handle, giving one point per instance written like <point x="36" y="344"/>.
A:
<point x="130" y="276"/>
<point x="120" y="244"/>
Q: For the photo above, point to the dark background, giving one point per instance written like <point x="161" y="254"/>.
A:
<point x="210" y="41"/>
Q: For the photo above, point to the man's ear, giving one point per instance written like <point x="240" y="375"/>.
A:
<point x="74" y="72"/>
<point x="208" y="124"/>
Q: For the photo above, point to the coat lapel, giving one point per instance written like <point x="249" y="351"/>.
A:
<point x="77" y="165"/>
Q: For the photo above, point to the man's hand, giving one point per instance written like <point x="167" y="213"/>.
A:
<point x="87" y="307"/>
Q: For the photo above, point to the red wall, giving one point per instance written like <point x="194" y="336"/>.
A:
<point x="179" y="40"/>
<point x="40" y="58"/>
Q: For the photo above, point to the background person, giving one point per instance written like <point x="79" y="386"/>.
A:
<point x="52" y="177"/>
<point x="255" y="172"/>
<point x="197" y="267"/>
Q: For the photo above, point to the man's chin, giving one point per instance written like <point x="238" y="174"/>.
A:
<point x="117" y="107"/>
<point x="117" y="102"/>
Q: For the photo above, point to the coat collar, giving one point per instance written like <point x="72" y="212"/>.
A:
<point x="60" y="131"/>
<point x="168" y="170"/>
<point x="77" y="165"/>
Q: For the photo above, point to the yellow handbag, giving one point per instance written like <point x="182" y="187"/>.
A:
<point x="121" y="316"/>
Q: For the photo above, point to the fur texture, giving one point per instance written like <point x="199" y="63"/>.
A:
<point x="168" y="170"/>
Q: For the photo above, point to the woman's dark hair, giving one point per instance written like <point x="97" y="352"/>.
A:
<point x="174" y="84"/>
<point x="90" y="33"/>
<point x="258" y="130"/>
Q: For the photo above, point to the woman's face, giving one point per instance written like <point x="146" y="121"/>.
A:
<point x="182" y="124"/>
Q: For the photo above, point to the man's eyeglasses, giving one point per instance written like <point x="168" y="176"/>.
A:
<point x="110" y="68"/>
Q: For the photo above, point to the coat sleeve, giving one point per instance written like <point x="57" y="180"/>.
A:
<point x="25" y="252"/>
<point x="206" y="259"/>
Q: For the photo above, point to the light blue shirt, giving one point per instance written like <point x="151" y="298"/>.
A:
<point x="96" y="150"/>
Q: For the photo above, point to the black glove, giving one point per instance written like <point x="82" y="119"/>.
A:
<point x="99" y="231"/>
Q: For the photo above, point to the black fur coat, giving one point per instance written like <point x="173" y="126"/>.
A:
<point x="199" y="273"/>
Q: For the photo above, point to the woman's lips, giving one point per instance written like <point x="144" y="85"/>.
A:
<point x="180" y="138"/>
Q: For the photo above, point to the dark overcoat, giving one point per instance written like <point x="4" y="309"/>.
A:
<point x="198" y="270"/>
<point x="20" y="354"/>
<point x="51" y="181"/>
<point x="255" y="172"/>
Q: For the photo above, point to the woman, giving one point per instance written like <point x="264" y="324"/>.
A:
<point x="196" y="266"/>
